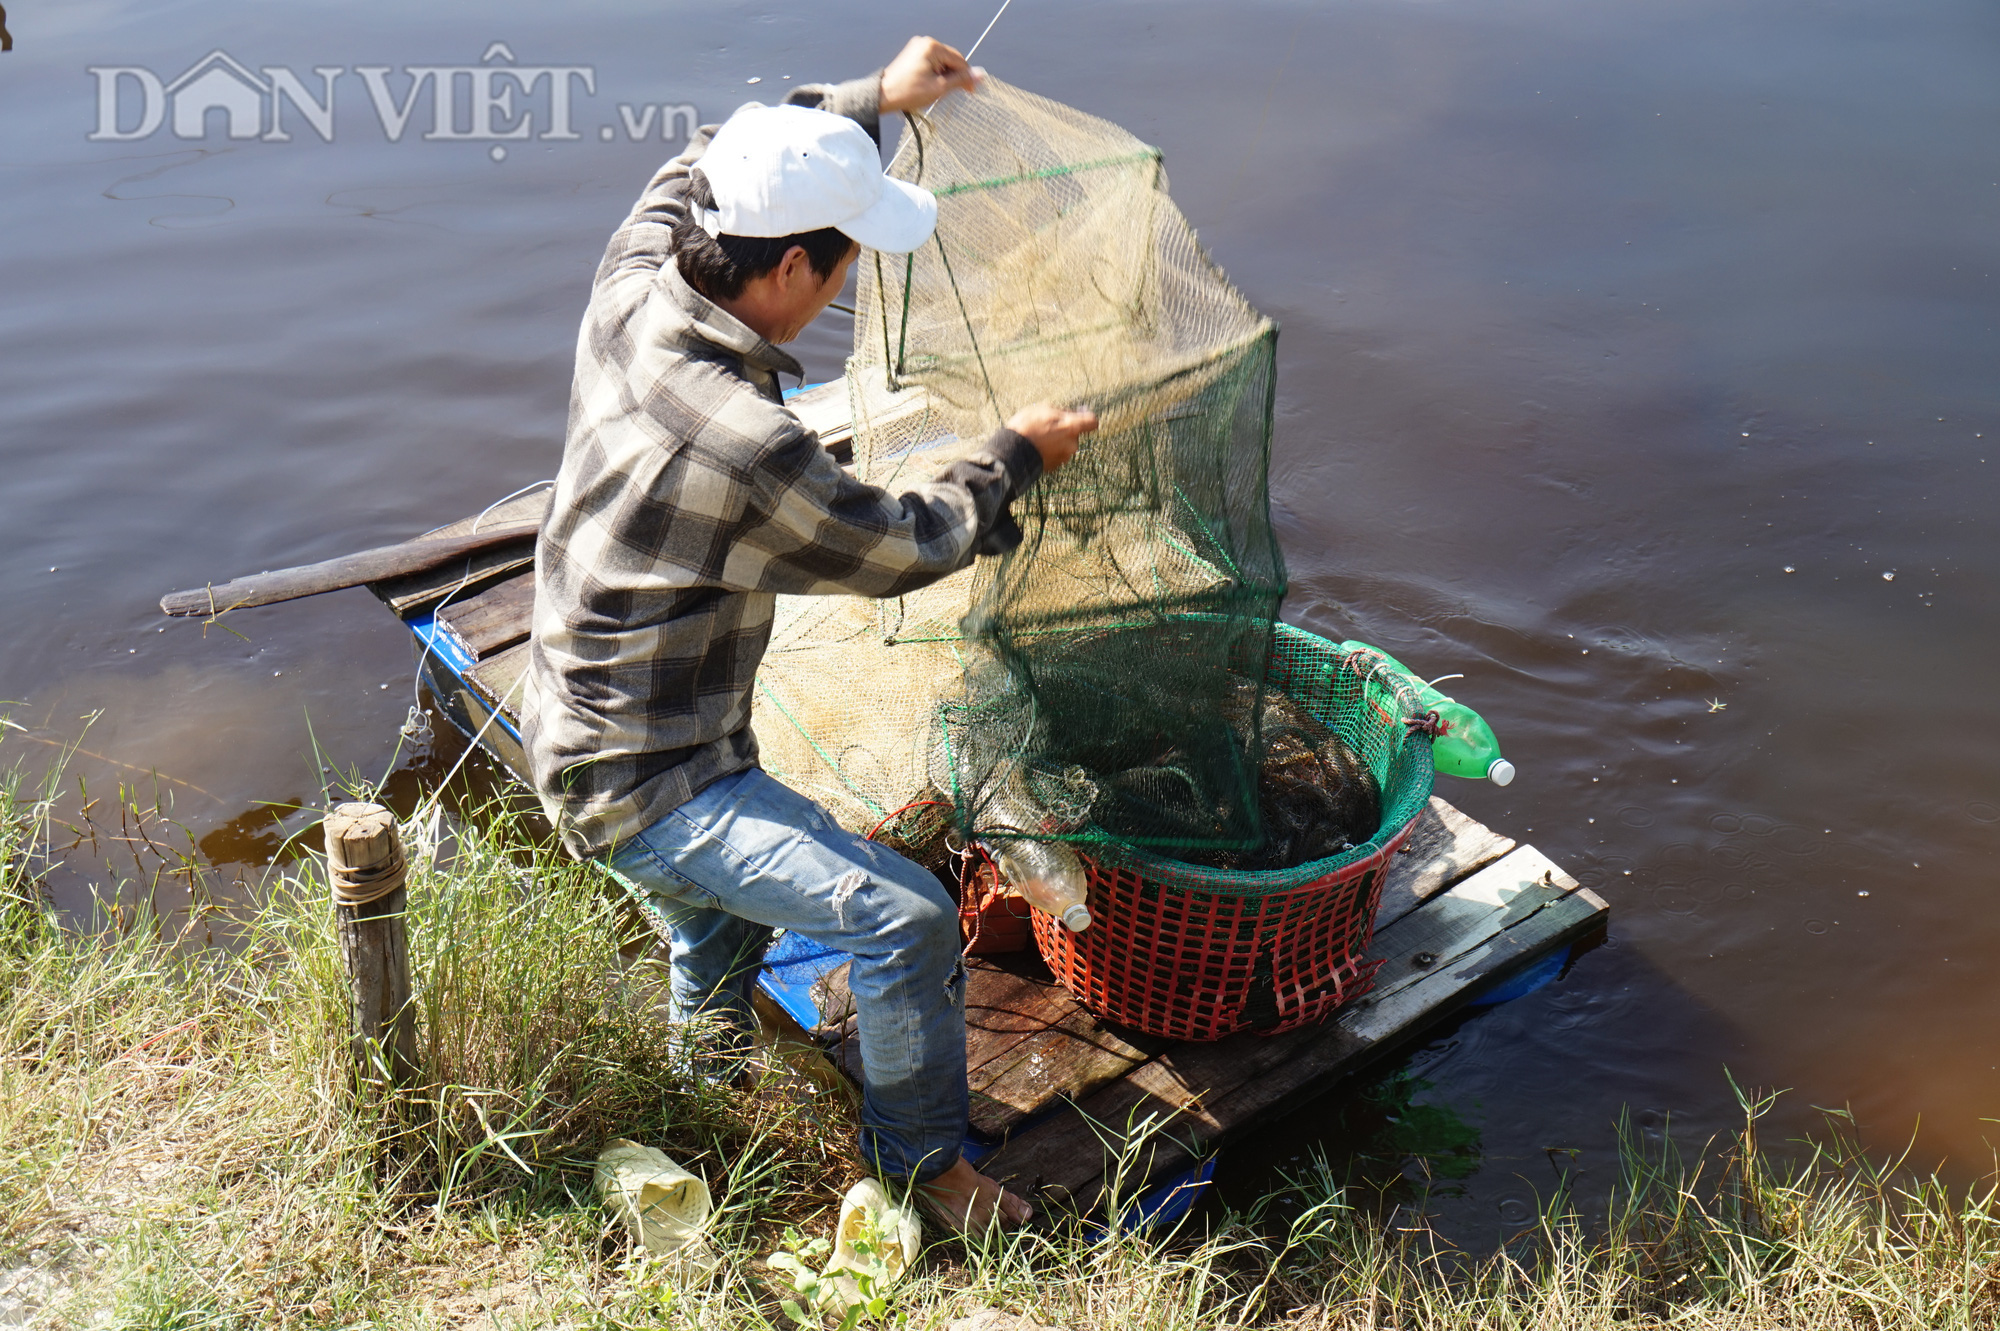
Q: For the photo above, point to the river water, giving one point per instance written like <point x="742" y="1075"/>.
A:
<point x="1638" y="361"/>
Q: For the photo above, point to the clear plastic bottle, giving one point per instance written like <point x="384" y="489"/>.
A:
<point x="1047" y="873"/>
<point x="1468" y="747"/>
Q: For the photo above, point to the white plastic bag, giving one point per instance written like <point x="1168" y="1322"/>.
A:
<point x="664" y="1206"/>
<point x="877" y="1238"/>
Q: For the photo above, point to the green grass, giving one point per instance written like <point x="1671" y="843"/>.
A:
<point x="181" y="1146"/>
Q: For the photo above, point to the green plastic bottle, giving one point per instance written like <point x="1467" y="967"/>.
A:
<point x="1467" y="747"/>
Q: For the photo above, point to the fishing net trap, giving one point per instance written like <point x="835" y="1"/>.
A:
<point x="1119" y="682"/>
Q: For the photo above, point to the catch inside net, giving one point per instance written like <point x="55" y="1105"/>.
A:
<point x="1108" y="682"/>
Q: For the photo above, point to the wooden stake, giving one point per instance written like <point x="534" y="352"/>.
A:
<point x="364" y="855"/>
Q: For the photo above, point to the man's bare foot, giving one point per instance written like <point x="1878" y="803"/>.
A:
<point x="965" y="1200"/>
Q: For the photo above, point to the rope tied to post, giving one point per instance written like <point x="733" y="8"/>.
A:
<point x="364" y="856"/>
<point x="362" y="887"/>
<point x="364" y="863"/>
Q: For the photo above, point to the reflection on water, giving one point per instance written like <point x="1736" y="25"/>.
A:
<point x="1625" y="349"/>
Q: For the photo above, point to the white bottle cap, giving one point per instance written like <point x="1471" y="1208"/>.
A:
<point x="1501" y="772"/>
<point x="1076" y="919"/>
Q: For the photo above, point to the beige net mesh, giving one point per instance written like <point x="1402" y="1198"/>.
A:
<point x="1115" y="662"/>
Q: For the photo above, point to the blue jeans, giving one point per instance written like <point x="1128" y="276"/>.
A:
<point x="749" y="855"/>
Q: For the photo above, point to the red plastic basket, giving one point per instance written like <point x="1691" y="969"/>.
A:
<point x="1191" y="965"/>
<point x="1193" y="953"/>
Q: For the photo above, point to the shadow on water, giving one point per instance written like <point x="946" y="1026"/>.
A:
<point x="282" y="832"/>
<point x="137" y="849"/>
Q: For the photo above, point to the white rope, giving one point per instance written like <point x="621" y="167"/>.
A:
<point x="416" y="726"/>
<point x="417" y="680"/>
<point x="434" y="799"/>
<point x="989" y="27"/>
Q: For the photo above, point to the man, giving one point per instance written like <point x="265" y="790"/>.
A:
<point x="688" y="498"/>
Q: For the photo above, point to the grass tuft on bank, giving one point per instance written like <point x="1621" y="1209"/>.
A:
<point x="181" y="1146"/>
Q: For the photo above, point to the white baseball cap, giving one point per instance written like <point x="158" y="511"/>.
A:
<point x="781" y="170"/>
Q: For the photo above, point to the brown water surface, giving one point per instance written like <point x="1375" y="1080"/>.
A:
<point x="1628" y="351"/>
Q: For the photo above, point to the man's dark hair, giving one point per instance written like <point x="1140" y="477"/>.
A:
<point x="719" y="267"/>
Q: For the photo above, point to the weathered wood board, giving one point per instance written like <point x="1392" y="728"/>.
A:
<point x="406" y="558"/>
<point x="497" y="677"/>
<point x="824" y="409"/>
<point x="406" y="595"/>
<point x="494" y="619"/>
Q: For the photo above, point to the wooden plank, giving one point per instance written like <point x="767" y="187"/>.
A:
<point x="495" y="619"/>
<point x="1433" y="958"/>
<point x="416" y="558"/>
<point x="834" y="1000"/>
<point x="1073" y="1151"/>
<point x="1066" y="1059"/>
<point x="530" y="507"/>
<point x="418" y="590"/>
<point x="794" y="1045"/>
<point x="1028" y="1043"/>
<point x="497" y="678"/>
<point x="469" y="711"/>
<point x="1452" y="923"/>
<point x="1381" y="1018"/>
<point x="1003" y="1008"/>
<point x="1444" y="847"/>
<point x="824" y="409"/>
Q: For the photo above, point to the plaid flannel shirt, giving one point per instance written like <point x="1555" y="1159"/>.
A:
<point x="688" y="498"/>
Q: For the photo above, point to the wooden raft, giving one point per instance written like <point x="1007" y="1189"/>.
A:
<point x="1058" y="1093"/>
<point x="1064" y="1093"/>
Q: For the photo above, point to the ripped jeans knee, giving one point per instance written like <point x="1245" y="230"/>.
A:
<point x="748" y="856"/>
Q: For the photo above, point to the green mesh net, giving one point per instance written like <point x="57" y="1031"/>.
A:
<point x="1109" y="683"/>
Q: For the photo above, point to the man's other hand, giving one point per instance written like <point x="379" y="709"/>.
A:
<point x="1052" y="430"/>
<point x="923" y="71"/>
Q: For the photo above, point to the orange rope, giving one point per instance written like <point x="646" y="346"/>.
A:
<point x="914" y="804"/>
<point x="966" y="883"/>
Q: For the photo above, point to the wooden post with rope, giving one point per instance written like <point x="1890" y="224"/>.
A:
<point x="364" y="853"/>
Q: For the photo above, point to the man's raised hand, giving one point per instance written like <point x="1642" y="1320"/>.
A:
<point x="1052" y="430"/>
<point x="923" y="71"/>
